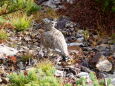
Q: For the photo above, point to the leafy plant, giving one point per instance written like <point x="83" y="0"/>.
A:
<point x="3" y="35"/>
<point x="21" y="21"/>
<point x="67" y="85"/>
<point x="46" y="67"/>
<point x="2" y="20"/>
<point x="21" y="79"/>
<point x="8" y="6"/>
<point x="36" y="77"/>
<point x="31" y="6"/>
<point x="95" y="82"/>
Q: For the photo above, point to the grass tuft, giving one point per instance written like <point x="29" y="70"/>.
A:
<point x="3" y="35"/>
<point x="21" y="21"/>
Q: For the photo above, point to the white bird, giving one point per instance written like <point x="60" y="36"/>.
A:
<point x="54" y="39"/>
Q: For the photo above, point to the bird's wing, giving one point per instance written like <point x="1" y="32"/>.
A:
<point x="48" y="39"/>
<point x="56" y="40"/>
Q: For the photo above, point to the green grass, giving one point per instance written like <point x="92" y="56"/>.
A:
<point x="3" y="35"/>
<point x="31" y="6"/>
<point x="21" y="22"/>
<point x="14" y="5"/>
<point x="2" y="20"/>
<point x="40" y="76"/>
<point x="95" y="82"/>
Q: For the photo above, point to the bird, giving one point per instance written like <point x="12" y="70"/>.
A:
<point x="52" y="38"/>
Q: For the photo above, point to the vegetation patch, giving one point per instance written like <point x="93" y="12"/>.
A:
<point x="21" y="21"/>
<point x="43" y="75"/>
<point x="3" y="35"/>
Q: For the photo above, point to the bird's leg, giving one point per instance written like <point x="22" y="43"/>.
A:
<point x="48" y="52"/>
<point x="64" y="57"/>
<point x="41" y="51"/>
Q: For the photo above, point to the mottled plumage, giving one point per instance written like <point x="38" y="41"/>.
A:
<point x="54" y="39"/>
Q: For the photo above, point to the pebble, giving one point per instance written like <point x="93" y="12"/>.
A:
<point x="103" y="64"/>
<point x="83" y="74"/>
<point x="59" y="73"/>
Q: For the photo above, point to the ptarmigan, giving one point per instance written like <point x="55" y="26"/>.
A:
<point x="54" y="39"/>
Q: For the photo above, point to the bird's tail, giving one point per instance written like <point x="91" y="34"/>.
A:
<point x="65" y="58"/>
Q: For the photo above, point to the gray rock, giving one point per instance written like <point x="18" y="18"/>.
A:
<point x="8" y="51"/>
<point x="64" y="22"/>
<point x="113" y="81"/>
<point x="83" y="74"/>
<point x="59" y="73"/>
<point x="55" y="4"/>
<point x="103" y="64"/>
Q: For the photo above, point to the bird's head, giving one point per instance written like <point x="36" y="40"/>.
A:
<point x="49" y="24"/>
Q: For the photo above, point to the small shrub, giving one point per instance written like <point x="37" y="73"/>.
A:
<point x="95" y="82"/>
<point x="3" y="35"/>
<point x="21" y="21"/>
<point x="21" y="79"/>
<point x="2" y="20"/>
<point x="36" y="77"/>
<point x="31" y="6"/>
<point x="46" y="67"/>
<point x="8" y="6"/>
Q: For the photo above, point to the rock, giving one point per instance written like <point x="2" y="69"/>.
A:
<point x="83" y="74"/>
<point x="0" y="80"/>
<point x="5" y="80"/>
<point x="111" y="77"/>
<point x="96" y="57"/>
<point x="81" y="39"/>
<point x="31" y="69"/>
<point x="112" y="48"/>
<point x="59" y="73"/>
<point x="21" y="65"/>
<point x="75" y="44"/>
<point x="65" y="22"/>
<point x="104" y="49"/>
<point x="8" y="51"/>
<point x="103" y="64"/>
<point x="55" y="4"/>
<point x="113" y="81"/>
<point x="71" y="75"/>
<point x="2" y="71"/>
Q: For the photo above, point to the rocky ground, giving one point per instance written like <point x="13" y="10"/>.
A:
<point x="89" y="52"/>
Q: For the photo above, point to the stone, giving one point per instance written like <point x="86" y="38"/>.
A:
<point x="21" y="65"/>
<point x="55" y="4"/>
<point x="59" y="73"/>
<point x="8" y="51"/>
<point x="75" y="44"/>
<point x="0" y="80"/>
<point x="64" y="22"/>
<point x="103" y="64"/>
<point x="5" y="80"/>
<point x="83" y="74"/>
<point x="113" y="81"/>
